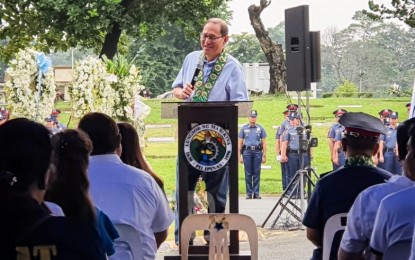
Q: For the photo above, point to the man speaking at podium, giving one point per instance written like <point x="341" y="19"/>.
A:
<point x="211" y="74"/>
<point x="217" y="76"/>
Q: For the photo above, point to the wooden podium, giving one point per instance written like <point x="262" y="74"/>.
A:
<point x="196" y="122"/>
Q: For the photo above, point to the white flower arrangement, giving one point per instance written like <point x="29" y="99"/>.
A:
<point x="22" y="87"/>
<point x="110" y="87"/>
<point x="91" y="91"/>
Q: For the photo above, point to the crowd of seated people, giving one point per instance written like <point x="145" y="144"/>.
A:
<point x="62" y="195"/>
<point x="380" y="215"/>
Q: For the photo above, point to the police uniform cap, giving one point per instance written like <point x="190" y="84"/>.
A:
<point x="55" y="112"/>
<point x="394" y="115"/>
<point x="254" y="113"/>
<point x="362" y="125"/>
<point x="285" y="112"/>
<point x="339" y="112"/>
<point x="293" y="115"/>
<point x="292" y="107"/>
<point x="385" y="112"/>
<point x="49" y="119"/>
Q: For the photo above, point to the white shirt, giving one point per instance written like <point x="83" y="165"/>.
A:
<point x="55" y="209"/>
<point x="361" y="217"/>
<point x="130" y="196"/>
<point x="394" y="220"/>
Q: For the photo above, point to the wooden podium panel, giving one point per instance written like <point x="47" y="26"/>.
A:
<point x="223" y="117"/>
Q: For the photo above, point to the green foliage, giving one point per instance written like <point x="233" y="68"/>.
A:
<point x="347" y="87"/>
<point x="245" y="48"/>
<point x="59" y="25"/>
<point x="370" y="53"/>
<point x="365" y="94"/>
<point x="327" y="95"/>
<point x="118" y="66"/>
<point x="403" y="10"/>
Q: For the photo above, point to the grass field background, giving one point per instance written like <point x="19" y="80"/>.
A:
<point x="162" y="156"/>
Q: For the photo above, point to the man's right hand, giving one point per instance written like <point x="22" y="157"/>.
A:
<point x="183" y="93"/>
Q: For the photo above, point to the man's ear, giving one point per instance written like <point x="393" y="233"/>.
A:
<point x="376" y="150"/>
<point x="225" y="39"/>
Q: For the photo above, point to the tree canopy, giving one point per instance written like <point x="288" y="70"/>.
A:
<point x="61" y="24"/>
<point x="403" y="10"/>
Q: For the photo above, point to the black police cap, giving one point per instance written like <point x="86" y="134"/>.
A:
<point x="362" y="125"/>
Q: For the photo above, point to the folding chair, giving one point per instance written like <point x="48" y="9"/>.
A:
<point x="218" y="225"/>
<point x="333" y="225"/>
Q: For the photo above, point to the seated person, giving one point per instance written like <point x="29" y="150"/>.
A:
<point x="71" y="150"/>
<point x="336" y="191"/>
<point x="27" y="227"/>
<point x="395" y="217"/>
<point x="126" y="194"/>
<point x="361" y="217"/>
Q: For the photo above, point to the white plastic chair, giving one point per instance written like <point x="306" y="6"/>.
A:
<point x="399" y="250"/>
<point x="334" y="224"/>
<point x="128" y="245"/>
<point x="218" y="246"/>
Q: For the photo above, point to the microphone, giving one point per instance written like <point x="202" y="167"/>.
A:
<point x="197" y="71"/>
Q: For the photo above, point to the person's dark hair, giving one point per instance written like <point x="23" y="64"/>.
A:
<point x="25" y="150"/>
<point x="102" y="131"/>
<point x="131" y="151"/>
<point x="224" y="30"/>
<point x="411" y="135"/>
<point x="69" y="184"/>
<point x="366" y="145"/>
<point x="402" y="136"/>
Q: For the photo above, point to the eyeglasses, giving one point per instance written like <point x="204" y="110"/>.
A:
<point x="212" y="38"/>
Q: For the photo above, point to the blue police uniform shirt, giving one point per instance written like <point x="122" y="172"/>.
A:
<point x="334" y="129"/>
<point x="284" y="126"/>
<point x="230" y="85"/>
<point x="390" y="138"/>
<point x="252" y="135"/>
<point x="292" y="137"/>
<point x="339" y="134"/>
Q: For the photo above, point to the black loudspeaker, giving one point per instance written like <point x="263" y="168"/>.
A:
<point x="315" y="56"/>
<point x="297" y="41"/>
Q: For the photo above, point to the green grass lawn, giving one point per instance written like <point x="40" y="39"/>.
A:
<point x="162" y="156"/>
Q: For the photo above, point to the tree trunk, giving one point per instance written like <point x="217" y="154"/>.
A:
<point x="273" y="51"/>
<point x="110" y="46"/>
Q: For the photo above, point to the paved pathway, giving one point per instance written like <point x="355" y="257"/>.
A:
<point x="273" y="243"/>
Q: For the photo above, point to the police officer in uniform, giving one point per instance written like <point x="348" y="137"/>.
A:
<point x="285" y="168"/>
<point x="290" y="148"/>
<point x="253" y="149"/>
<point x="337" y="157"/>
<point x="384" y="116"/>
<point x="336" y="191"/>
<point x="284" y="165"/>
<point x="388" y="155"/>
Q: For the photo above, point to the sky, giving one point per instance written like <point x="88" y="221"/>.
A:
<point x="322" y="13"/>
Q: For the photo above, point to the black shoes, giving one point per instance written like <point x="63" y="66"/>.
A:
<point x="257" y="197"/>
<point x="248" y="197"/>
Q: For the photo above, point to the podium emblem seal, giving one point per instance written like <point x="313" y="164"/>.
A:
<point x="207" y="147"/>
